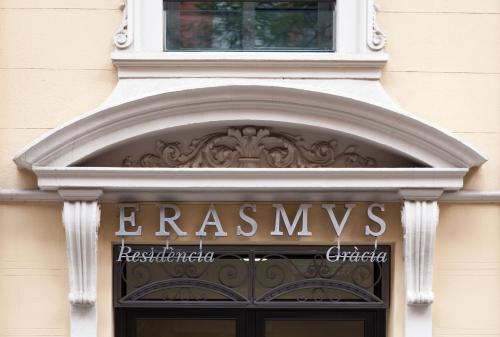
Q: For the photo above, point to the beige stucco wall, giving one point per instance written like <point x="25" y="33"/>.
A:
<point x="33" y="259"/>
<point x="54" y="65"/>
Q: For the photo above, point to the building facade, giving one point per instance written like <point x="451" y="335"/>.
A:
<point x="336" y="177"/>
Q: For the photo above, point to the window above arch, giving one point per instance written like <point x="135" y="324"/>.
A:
<point x="332" y="38"/>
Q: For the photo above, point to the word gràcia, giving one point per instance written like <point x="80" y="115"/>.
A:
<point x="283" y="225"/>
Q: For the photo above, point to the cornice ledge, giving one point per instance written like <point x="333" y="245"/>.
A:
<point x="255" y="179"/>
<point x="462" y="196"/>
<point x="230" y="64"/>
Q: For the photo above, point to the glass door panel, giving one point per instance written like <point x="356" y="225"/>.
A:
<point x="316" y="328"/>
<point x="185" y="328"/>
<point x="238" y="322"/>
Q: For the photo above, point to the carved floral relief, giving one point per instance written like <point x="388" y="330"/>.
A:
<point x="251" y="147"/>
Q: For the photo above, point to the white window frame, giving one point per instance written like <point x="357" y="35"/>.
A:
<point x="139" y="49"/>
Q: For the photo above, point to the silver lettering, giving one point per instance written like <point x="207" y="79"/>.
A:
<point x="128" y="220"/>
<point x="302" y="212"/>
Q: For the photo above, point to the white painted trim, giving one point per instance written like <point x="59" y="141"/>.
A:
<point x="20" y="195"/>
<point x="459" y="197"/>
<point x="81" y="221"/>
<point x="418" y="321"/>
<point x="350" y="26"/>
<point x="420" y="220"/>
<point x="83" y="321"/>
<point x="149" y="34"/>
<point x="236" y="104"/>
<point x="247" y="180"/>
<point x="420" y="194"/>
<point x="249" y="64"/>
<point x="80" y="195"/>
<point x="472" y="196"/>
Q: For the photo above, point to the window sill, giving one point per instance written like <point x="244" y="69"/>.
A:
<point x="249" y="64"/>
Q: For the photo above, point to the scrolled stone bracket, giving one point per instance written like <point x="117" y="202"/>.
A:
<point x="81" y="217"/>
<point x="420" y="217"/>
<point x="376" y="39"/>
<point x="124" y="34"/>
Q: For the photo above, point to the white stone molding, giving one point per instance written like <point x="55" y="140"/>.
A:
<point x="472" y="197"/>
<point x="81" y="221"/>
<point x="458" y="197"/>
<point x="390" y="128"/>
<point x="142" y="65"/>
<point x="420" y="194"/>
<point x="248" y="179"/>
<point x="376" y="39"/>
<point x="420" y="217"/>
<point x="124" y="35"/>
<point x="420" y="220"/>
<point x="80" y="195"/>
<point x="418" y="321"/>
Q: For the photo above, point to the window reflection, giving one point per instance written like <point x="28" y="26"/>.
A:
<point x="244" y="25"/>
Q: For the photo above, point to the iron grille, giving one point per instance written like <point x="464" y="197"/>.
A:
<point x="253" y="277"/>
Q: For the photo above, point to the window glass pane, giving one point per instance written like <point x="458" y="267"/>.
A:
<point x="306" y="328"/>
<point x="186" y="328"/>
<point x="292" y="25"/>
<point x="245" y="25"/>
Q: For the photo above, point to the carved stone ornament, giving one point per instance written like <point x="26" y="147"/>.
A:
<point x="123" y="36"/>
<point x="420" y="220"/>
<point x="81" y="221"/>
<point x="376" y="39"/>
<point x="252" y="147"/>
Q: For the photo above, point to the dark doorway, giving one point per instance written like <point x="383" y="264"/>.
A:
<point x="252" y="292"/>
<point x="252" y="323"/>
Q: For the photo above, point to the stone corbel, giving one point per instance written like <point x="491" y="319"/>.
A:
<point x="420" y="217"/>
<point x="376" y="39"/>
<point x="81" y="217"/>
<point x="123" y="37"/>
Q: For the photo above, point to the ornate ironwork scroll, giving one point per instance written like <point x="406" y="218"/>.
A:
<point x="313" y="278"/>
<point x="318" y="286"/>
<point x="252" y="147"/>
<point x="254" y="278"/>
<point x="225" y="279"/>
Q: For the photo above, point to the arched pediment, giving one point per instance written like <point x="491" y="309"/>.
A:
<point x="179" y="111"/>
